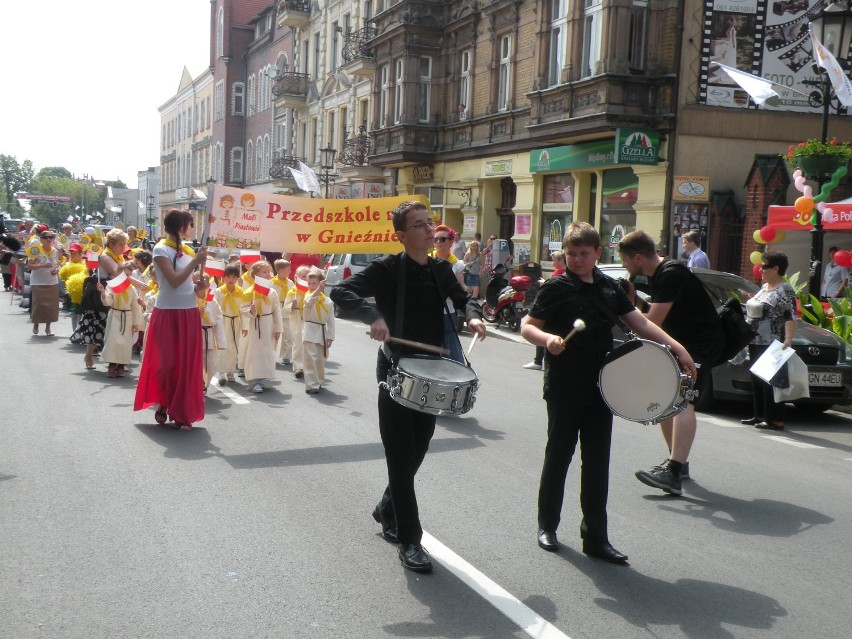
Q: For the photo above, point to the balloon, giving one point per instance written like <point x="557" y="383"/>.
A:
<point x="780" y="234"/>
<point x="807" y="191"/>
<point x="843" y="258"/>
<point x="756" y="257"/>
<point x="829" y="186"/>
<point x="757" y="237"/>
<point x="804" y="204"/>
<point x="828" y="215"/>
<point x="757" y="271"/>
<point x="767" y="233"/>
<point x="797" y="174"/>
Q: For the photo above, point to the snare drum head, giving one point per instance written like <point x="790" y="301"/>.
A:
<point x="643" y="383"/>
<point x="437" y="369"/>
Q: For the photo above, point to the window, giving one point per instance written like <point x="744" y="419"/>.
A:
<point x="251" y="95"/>
<point x="638" y="34"/>
<point x="424" y="89"/>
<point x="332" y="57"/>
<point x="331" y="125"/>
<point x="316" y="55"/>
<point x="238" y="98"/>
<point x="258" y="160"/>
<point x="504" y="80"/>
<point x="220" y="33"/>
<point x="311" y="153"/>
<point x="267" y="156"/>
<point x="384" y="96"/>
<point x="237" y="164"/>
<point x="341" y="137"/>
<point x="218" y="163"/>
<point x="368" y="11"/>
<point x="209" y="112"/>
<point x="397" y="95"/>
<point x="306" y="47"/>
<point x="557" y="45"/>
<point x="249" y="158"/>
<point x="219" y="95"/>
<point x="592" y="32"/>
<point x="363" y="110"/>
<point x="465" y="85"/>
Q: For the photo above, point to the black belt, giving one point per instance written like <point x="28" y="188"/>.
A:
<point x="324" y="347"/>
<point x="257" y="321"/>
<point x="123" y="322"/>
<point x="234" y="331"/>
<point x="206" y="338"/>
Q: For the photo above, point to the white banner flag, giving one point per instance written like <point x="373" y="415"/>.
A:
<point x="311" y="177"/>
<point x="758" y="88"/>
<point x="839" y="80"/>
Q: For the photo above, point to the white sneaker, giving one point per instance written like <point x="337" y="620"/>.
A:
<point x="257" y="388"/>
<point x="533" y="366"/>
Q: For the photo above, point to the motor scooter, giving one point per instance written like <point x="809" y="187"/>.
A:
<point x="504" y="300"/>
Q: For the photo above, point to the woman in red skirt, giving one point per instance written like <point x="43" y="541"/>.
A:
<point x="172" y="369"/>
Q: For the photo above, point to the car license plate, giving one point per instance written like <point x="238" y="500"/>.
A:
<point x="825" y="379"/>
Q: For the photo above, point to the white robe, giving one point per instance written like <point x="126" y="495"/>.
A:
<point x="123" y="318"/>
<point x="214" y="341"/>
<point x="318" y="326"/>
<point x="232" y="323"/>
<point x="260" y="341"/>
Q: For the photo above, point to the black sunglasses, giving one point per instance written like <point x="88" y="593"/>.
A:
<point x="442" y="239"/>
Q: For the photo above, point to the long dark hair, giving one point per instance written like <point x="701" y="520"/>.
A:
<point x="173" y="222"/>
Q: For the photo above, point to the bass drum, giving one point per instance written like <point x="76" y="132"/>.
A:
<point x="642" y="382"/>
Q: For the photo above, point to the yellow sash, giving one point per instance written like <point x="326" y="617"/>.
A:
<point x="232" y="300"/>
<point x="183" y="247"/>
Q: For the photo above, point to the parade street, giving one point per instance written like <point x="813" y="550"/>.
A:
<point x="256" y="523"/>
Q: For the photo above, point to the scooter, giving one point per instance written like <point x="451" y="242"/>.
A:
<point x="504" y="301"/>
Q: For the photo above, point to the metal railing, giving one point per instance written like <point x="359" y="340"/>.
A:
<point x="355" y="44"/>
<point x="281" y="165"/>
<point x="291" y="83"/>
<point x="356" y="149"/>
<point x="294" y="5"/>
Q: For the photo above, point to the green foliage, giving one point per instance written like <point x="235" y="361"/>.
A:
<point x="838" y="319"/>
<point x="14" y="177"/>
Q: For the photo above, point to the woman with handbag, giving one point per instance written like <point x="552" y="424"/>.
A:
<point x="772" y="315"/>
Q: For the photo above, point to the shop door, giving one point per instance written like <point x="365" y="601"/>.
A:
<point x="506" y="213"/>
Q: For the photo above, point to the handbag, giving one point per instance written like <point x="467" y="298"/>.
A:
<point x="737" y="331"/>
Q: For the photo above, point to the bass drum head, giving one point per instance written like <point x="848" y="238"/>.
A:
<point x="642" y="384"/>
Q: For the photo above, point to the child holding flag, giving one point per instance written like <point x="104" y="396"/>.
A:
<point x="230" y="297"/>
<point x="123" y="319"/>
<point x="283" y="284"/>
<point x="295" y="301"/>
<point x="212" y="327"/>
<point x="247" y="259"/>
<point x="317" y="332"/>
<point x="261" y="313"/>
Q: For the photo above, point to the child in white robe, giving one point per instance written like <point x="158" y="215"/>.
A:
<point x="283" y="284"/>
<point x="212" y="327"/>
<point x="295" y="300"/>
<point x="124" y="320"/>
<point x="317" y="331"/>
<point x="261" y="313"/>
<point x="230" y="297"/>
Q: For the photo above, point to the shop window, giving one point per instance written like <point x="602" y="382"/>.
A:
<point x="618" y="217"/>
<point x="557" y="212"/>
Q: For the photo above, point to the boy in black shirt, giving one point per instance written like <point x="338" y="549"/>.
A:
<point x="575" y="407"/>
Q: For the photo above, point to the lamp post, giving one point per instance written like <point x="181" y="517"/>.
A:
<point x="834" y="28"/>
<point x="150" y="218"/>
<point x="327" y="164"/>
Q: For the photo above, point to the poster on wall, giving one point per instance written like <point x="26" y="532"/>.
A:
<point x="767" y="38"/>
<point x="690" y="217"/>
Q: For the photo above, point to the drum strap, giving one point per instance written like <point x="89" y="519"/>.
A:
<point x="611" y="316"/>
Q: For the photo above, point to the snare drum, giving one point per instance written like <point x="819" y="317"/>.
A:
<point x="641" y="382"/>
<point x="433" y="385"/>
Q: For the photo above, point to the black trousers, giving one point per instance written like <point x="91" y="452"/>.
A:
<point x="592" y="425"/>
<point x="762" y="396"/>
<point x="405" y="435"/>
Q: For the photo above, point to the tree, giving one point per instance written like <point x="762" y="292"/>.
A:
<point x="54" y="172"/>
<point x="14" y="177"/>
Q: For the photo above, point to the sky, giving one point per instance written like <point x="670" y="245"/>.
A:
<point x="83" y="80"/>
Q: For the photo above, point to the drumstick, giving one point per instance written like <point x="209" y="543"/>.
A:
<point x="419" y="345"/>
<point x="473" y="341"/>
<point x="579" y="325"/>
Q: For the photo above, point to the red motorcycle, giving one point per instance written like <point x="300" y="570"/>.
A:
<point x="504" y="302"/>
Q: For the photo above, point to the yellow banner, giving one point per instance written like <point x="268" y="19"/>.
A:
<point x="241" y="219"/>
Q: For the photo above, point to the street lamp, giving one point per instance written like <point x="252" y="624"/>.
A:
<point x="150" y="218"/>
<point x="327" y="164"/>
<point x="834" y="28"/>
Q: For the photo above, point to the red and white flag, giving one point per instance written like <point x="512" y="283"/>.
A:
<point x="91" y="260"/>
<point x="209" y="297"/>
<point x="120" y="283"/>
<point x="249" y="257"/>
<point x="262" y="285"/>
<point x="215" y="268"/>
<point x="301" y="285"/>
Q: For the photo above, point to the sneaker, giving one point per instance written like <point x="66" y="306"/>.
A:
<point x="532" y="366"/>
<point x="229" y="377"/>
<point x="299" y="374"/>
<point x="221" y="381"/>
<point x="285" y="362"/>
<point x="257" y="388"/>
<point x="684" y="473"/>
<point x="662" y="478"/>
<point x="241" y="374"/>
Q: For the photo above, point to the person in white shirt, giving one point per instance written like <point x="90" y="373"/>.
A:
<point x="835" y="278"/>
<point x="697" y="257"/>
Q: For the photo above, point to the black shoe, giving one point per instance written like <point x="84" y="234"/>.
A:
<point x="604" y="551"/>
<point x="751" y="421"/>
<point x="684" y="471"/>
<point x="413" y="557"/>
<point x="547" y="540"/>
<point x="389" y="532"/>
<point x="662" y="478"/>
<point x="769" y="426"/>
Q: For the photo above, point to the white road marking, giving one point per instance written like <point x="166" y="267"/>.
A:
<point x="530" y="622"/>
<point x="227" y="392"/>
<point x="791" y="442"/>
<point x="718" y="421"/>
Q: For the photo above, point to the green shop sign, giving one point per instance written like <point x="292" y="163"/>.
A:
<point x="628" y="147"/>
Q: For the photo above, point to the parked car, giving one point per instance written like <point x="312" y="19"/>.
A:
<point x="344" y="265"/>
<point x="828" y="357"/>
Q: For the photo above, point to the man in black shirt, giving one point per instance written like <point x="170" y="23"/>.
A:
<point x="575" y="407"/>
<point x="406" y="433"/>
<point x="682" y="307"/>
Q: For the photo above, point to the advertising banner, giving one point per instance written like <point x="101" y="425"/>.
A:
<point x="241" y="219"/>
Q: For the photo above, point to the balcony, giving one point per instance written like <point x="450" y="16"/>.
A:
<point x="607" y="100"/>
<point x="353" y="159"/>
<point x="294" y="13"/>
<point x="358" y="58"/>
<point x="404" y="143"/>
<point x="291" y="89"/>
<point x="280" y="168"/>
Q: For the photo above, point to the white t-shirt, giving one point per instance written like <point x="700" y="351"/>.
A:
<point x="168" y="297"/>
<point x="43" y="276"/>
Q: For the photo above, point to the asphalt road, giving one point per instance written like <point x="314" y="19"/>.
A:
<point x="257" y="523"/>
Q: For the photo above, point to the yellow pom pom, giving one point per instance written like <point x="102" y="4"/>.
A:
<point x="74" y="286"/>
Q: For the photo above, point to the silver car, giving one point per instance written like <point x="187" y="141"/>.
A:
<point x="829" y="358"/>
